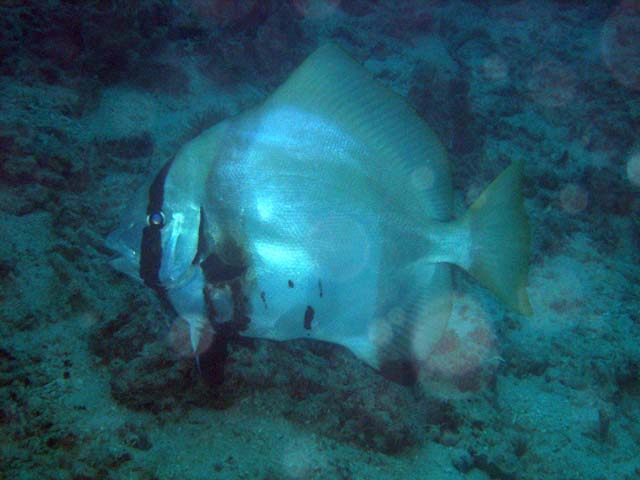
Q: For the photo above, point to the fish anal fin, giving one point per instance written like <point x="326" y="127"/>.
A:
<point x="409" y="331"/>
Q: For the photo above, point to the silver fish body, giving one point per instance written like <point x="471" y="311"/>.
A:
<point x="324" y="213"/>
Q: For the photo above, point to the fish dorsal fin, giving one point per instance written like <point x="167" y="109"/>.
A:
<point x="401" y="148"/>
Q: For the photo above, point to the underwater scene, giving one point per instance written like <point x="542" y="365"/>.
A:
<point x="320" y="239"/>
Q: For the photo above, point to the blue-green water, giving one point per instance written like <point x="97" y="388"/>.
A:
<point x="97" y="371"/>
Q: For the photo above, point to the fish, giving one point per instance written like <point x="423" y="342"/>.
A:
<point x="324" y="213"/>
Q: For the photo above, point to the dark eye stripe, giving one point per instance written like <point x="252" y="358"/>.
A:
<point x="151" y="242"/>
<point x="151" y="256"/>
<point x="156" y="191"/>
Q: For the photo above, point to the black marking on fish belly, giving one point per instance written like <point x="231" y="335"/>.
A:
<point x="320" y="288"/>
<point x="240" y="318"/>
<point x="212" y="361"/>
<point x="263" y="297"/>
<point x="290" y="283"/>
<point x="216" y="271"/>
<point x="401" y="371"/>
<point x="210" y="309"/>
<point x="308" y="317"/>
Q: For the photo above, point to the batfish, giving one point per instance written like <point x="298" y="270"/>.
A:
<point x="324" y="213"/>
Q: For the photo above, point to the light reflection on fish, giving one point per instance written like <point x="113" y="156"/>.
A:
<point x="324" y="213"/>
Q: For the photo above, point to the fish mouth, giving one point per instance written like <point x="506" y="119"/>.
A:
<point x="114" y="243"/>
<point x="125" y="258"/>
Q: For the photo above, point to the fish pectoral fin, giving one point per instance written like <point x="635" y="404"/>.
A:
<point x="188" y="301"/>
<point x="500" y="238"/>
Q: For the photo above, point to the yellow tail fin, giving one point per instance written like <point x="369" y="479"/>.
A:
<point x="500" y="239"/>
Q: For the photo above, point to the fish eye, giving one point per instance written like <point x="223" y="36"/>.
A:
<point x="156" y="219"/>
